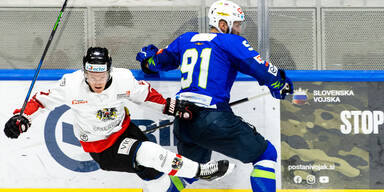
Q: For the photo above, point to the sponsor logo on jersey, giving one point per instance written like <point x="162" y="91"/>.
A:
<point x="163" y="158"/>
<point x="126" y="145"/>
<point x="84" y="137"/>
<point x="124" y="95"/>
<point x="258" y="59"/>
<point x="75" y="102"/>
<point x="107" y="114"/>
<point x="272" y="69"/>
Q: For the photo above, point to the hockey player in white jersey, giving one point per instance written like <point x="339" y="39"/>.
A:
<point x="97" y="95"/>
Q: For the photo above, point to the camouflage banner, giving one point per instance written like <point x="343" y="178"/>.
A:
<point x="332" y="136"/>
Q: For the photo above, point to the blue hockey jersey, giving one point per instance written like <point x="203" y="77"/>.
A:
<point x="209" y="63"/>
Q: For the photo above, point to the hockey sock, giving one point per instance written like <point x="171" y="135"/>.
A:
<point x="177" y="184"/>
<point x="153" y="155"/>
<point x="263" y="174"/>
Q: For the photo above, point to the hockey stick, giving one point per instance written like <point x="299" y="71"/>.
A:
<point x="165" y="123"/>
<point x="43" y="56"/>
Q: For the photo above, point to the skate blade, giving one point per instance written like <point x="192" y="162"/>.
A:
<point x="230" y="169"/>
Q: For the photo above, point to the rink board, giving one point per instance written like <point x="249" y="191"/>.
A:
<point x="49" y="156"/>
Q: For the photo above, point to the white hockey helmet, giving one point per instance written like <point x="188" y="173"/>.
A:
<point x="224" y="10"/>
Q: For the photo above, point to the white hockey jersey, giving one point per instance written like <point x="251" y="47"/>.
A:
<point x="98" y="117"/>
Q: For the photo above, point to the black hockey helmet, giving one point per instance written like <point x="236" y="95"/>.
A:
<point x="97" y="59"/>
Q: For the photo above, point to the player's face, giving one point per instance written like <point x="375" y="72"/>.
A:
<point x="237" y="27"/>
<point x="97" y="80"/>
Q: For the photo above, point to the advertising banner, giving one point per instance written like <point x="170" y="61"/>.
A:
<point x="332" y="136"/>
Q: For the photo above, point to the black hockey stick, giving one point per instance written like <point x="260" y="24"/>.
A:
<point x="43" y="56"/>
<point x="165" y="123"/>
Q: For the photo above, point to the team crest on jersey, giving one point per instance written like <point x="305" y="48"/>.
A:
<point x="107" y="114"/>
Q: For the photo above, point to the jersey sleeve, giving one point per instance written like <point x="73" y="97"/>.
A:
<point x="248" y="61"/>
<point x="142" y="91"/>
<point x="166" y="59"/>
<point x="55" y="96"/>
<point x="48" y="99"/>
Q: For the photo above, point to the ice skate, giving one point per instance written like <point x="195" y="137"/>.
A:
<point x="214" y="170"/>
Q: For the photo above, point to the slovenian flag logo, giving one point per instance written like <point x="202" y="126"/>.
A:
<point x="300" y="97"/>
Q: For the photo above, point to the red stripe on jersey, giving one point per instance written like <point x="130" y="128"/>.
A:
<point x="101" y="145"/>
<point x="173" y="172"/>
<point x="44" y="93"/>
<point x="32" y="106"/>
<point x="154" y="96"/>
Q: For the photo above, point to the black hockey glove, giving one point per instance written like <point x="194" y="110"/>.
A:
<point x="180" y="108"/>
<point x="144" y="55"/>
<point x="16" y="125"/>
<point x="282" y="86"/>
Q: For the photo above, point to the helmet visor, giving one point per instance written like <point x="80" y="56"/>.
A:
<point x="96" y="77"/>
<point x="238" y="27"/>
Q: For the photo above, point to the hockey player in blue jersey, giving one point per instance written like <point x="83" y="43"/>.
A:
<point x="209" y="63"/>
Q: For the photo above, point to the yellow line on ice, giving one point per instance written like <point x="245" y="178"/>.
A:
<point x="69" y="190"/>
<point x="284" y="190"/>
<point x="330" y="190"/>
